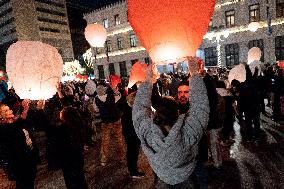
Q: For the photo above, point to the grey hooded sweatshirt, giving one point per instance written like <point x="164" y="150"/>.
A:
<point x="172" y="157"/>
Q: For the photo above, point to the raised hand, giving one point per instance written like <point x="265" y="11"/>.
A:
<point x="152" y="73"/>
<point x="192" y="65"/>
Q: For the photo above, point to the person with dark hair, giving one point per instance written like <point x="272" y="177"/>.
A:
<point x="18" y="145"/>
<point x="106" y="102"/>
<point x="170" y="140"/>
<point x="71" y="139"/>
<point x="132" y="141"/>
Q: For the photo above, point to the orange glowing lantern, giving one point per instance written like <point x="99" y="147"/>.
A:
<point x="96" y="35"/>
<point x="281" y="64"/>
<point x="34" y="69"/>
<point x="138" y="73"/>
<point x="170" y="30"/>
<point x="114" y="80"/>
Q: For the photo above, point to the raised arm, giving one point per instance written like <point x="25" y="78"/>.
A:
<point x="141" y="112"/>
<point x="197" y="120"/>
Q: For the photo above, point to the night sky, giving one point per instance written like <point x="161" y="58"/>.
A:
<point x="90" y="5"/>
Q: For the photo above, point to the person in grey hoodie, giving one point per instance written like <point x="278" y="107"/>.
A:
<point x="172" y="155"/>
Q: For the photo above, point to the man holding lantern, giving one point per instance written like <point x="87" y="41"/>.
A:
<point x="171" y="144"/>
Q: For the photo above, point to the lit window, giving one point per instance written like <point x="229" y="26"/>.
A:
<point x="108" y="46"/>
<point x="254" y="15"/>
<point x="230" y="18"/>
<point x="120" y="43"/>
<point x="133" y="42"/>
<point x="116" y="19"/>
<point x="105" y="23"/>
<point x="232" y="54"/>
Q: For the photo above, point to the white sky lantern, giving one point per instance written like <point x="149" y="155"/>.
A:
<point x="237" y="73"/>
<point x="34" y="68"/>
<point x="96" y="35"/>
<point x="253" y="26"/>
<point x="254" y="54"/>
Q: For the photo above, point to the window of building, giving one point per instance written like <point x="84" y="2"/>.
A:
<point x="51" y="21"/>
<point x="116" y="19"/>
<point x="108" y="46"/>
<point x="279" y="8"/>
<point x="147" y="60"/>
<point x="254" y="13"/>
<point x="120" y="43"/>
<point x="49" y="30"/>
<point x="279" y="48"/>
<point x="105" y="23"/>
<point x="211" y="56"/>
<point x="50" y="2"/>
<point x="111" y="69"/>
<point x="133" y="42"/>
<point x="257" y="43"/>
<point x="101" y="71"/>
<point x="134" y="61"/>
<point x="232" y="54"/>
<point x="122" y="68"/>
<point x="44" y="10"/>
<point x="230" y="18"/>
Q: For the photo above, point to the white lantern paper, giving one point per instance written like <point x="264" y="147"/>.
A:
<point x="34" y="68"/>
<point x="238" y="73"/>
<point x="90" y="87"/>
<point x="254" y="54"/>
<point x="253" y="26"/>
<point x="96" y="35"/>
<point x="255" y="64"/>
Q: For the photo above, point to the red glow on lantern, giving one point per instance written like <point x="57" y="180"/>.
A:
<point x="281" y="64"/>
<point x="138" y="73"/>
<point x="114" y="80"/>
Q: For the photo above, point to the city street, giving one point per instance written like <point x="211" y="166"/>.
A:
<point x="247" y="165"/>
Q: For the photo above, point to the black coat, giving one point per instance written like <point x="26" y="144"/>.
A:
<point x="20" y="159"/>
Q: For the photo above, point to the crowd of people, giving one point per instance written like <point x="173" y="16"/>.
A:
<point x="180" y="122"/>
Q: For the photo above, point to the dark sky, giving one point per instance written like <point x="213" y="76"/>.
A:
<point x="90" y="5"/>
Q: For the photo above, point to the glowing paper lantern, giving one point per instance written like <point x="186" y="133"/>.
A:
<point x="255" y="64"/>
<point x="138" y="73"/>
<point x="96" y="35"/>
<point x="114" y="80"/>
<point x="253" y="26"/>
<point x="254" y="54"/>
<point x="281" y="64"/>
<point x="238" y="73"/>
<point x="170" y="30"/>
<point x="34" y="69"/>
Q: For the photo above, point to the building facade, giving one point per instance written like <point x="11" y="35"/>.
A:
<point x="229" y="37"/>
<point x="226" y="43"/>
<point x="35" y="20"/>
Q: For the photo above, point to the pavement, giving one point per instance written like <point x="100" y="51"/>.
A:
<point x="248" y="165"/>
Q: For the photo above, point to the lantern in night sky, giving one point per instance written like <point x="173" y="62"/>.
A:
<point x="96" y="35"/>
<point x="34" y="68"/>
<point x="254" y="54"/>
<point x="253" y="26"/>
<point x="237" y="73"/>
<point x="170" y="30"/>
<point x="138" y="73"/>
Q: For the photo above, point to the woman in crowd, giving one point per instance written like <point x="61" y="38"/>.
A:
<point x="17" y="141"/>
